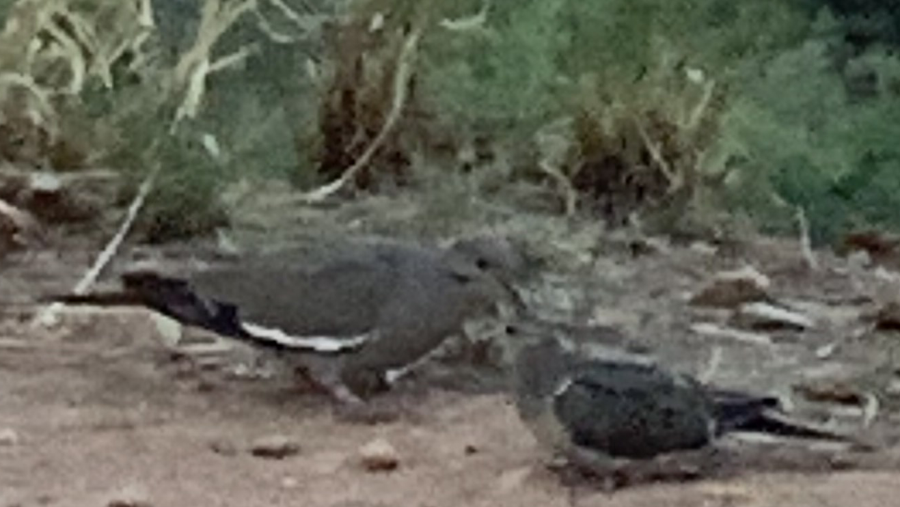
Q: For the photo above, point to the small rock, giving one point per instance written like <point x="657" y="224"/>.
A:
<point x="8" y="437"/>
<point x="893" y="388"/>
<point x="730" y="289"/>
<point x="379" y="456"/>
<point x="703" y="248"/>
<point x="128" y="502"/>
<point x="169" y="330"/>
<point x="888" y="317"/>
<point x="727" y="494"/>
<point x="274" y="447"/>
<point x="826" y="351"/>
<point x="223" y="447"/>
<point x="289" y="483"/>
<point x="130" y="496"/>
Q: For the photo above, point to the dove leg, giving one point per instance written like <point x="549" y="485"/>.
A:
<point x="324" y="374"/>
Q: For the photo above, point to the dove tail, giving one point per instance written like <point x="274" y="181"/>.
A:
<point x="108" y="298"/>
<point x="734" y="411"/>
<point x="737" y="411"/>
<point x="173" y="297"/>
<point x="773" y="424"/>
<point x="177" y="299"/>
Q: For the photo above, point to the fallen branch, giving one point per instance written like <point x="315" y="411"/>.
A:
<point x="716" y="331"/>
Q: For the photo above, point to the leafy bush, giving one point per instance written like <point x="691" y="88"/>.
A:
<point x="645" y="82"/>
<point x="160" y="85"/>
<point x="813" y="139"/>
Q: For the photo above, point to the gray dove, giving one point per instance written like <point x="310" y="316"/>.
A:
<point x="381" y="307"/>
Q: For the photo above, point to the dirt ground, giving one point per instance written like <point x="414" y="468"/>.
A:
<point x="95" y="411"/>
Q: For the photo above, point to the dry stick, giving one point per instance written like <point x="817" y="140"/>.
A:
<point x="48" y="316"/>
<point x="805" y="243"/>
<point x="401" y="89"/>
<point x="570" y="194"/>
<point x="675" y="181"/>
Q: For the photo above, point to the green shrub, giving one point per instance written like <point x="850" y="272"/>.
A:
<point x="811" y="143"/>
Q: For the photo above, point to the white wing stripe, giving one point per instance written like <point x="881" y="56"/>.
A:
<point x="316" y="343"/>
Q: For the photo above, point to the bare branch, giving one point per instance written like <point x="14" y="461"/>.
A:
<point x="401" y="90"/>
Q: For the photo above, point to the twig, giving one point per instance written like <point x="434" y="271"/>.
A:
<point x="194" y="66"/>
<point x="870" y="409"/>
<point x="463" y="24"/>
<point x="698" y="111"/>
<point x="675" y="180"/>
<point x="717" y="331"/>
<point x="401" y="90"/>
<point x="48" y="316"/>
<point x="570" y="195"/>
<point x="712" y="365"/>
<point x="805" y="243"/>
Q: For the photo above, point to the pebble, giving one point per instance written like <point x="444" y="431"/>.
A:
<point x="274" y="447"/>
<point x="730" y="289"/>
<point x="130" y="496"/>
<point x="379" y="456"/>
<point x="128" y="502"/>
<point x="223" y="447"/>
<point x="8" y="437"/>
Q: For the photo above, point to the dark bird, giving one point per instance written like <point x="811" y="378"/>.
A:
<point x="381" y="307"/>
<point x="600" y="413"/>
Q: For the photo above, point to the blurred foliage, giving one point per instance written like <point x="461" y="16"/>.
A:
<point x="161" y="86"/>
<point x="825" y="141"/>
<point x="644" y="81"/>
<point x="678" y="109"/>
<point x="798" y="114"/>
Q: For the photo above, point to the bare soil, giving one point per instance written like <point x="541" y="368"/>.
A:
<point x="95" y="412"/>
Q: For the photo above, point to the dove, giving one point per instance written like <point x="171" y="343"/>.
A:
<point x="378" y="307"/>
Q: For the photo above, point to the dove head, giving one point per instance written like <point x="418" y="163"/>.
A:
<point x="494" y="263"/>
<point x="495" y="255"/>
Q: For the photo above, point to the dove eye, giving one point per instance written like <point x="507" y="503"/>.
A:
<point x="510" y="329"/>
<point x="482" y="264"/>
<point x="462" y="278"/>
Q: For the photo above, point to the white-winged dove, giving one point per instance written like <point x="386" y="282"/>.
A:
<point x="382" y="306"/>
<point x="601" y="414"/>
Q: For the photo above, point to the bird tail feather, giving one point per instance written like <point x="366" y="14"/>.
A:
<point x="773" y="423"/>
<point x="737" y="411"/>
<point x="176" y="298"/>
<point x="170" y="296"/>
